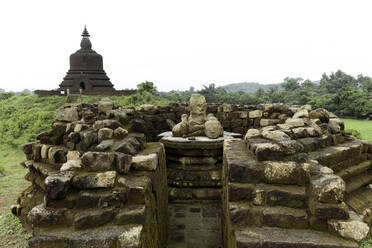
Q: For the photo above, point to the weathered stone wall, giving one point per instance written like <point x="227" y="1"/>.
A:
<point x="94" y="184"/>
<point x="99" y="181"/>
<point x="293" y="177"/>
<point x="152" y="120"/>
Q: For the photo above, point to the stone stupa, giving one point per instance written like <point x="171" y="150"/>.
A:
<point x="86" y="72"/>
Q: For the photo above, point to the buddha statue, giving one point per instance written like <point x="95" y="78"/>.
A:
<point x="198" y="123"/>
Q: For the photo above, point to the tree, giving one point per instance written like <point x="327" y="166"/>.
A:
<point x="365" y="84"/>
<point x="291" y="84"/>
<point x="146" y="87"/>
<point x="337" y="82"/>
<point x="260" y="92"/>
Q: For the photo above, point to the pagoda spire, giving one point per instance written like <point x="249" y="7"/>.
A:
<point x="85" y="32"/>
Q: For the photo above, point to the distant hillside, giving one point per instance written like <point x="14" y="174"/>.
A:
<point x="249" y="87"/>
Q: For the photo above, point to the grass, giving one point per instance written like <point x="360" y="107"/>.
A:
<point x="366" y="244"/>
<point x="363" y="127"/>
<point x="12" y="184"/>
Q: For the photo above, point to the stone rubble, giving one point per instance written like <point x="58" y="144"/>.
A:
<point x="98" y="179"/>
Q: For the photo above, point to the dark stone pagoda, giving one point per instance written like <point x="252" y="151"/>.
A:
<point x="86" y="74"/>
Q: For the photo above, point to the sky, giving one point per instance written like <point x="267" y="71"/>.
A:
<point x="177" y="44"/>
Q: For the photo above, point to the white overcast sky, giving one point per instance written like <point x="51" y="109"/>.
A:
<point x="178" y="44"/>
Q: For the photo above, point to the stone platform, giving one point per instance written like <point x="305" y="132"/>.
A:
<point x="194" y="166"/>
<point x="194" y="169"/>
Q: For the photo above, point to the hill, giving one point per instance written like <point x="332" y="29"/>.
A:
<point x="249" y="87"/>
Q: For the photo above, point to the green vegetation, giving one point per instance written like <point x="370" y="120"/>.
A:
<point x="364" y="128"/>
<point x="366" y="243"/>
<point x="338" y="92"/>
<point x="12" y="234"/>
<point x="23" y="116"/>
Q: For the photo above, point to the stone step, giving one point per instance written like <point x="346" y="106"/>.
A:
<point x="102" y="237"/>
<point x="194" y="167"/>
<point x="184" y="178"/>
<point x="356" y="182"/>
<point x="194" y="152"/>
<point x="269" y="237"/>
<point x="354" y="170"/>
<point x="44" y="169"/>
<point x="269" y="195"/>
<point x="314" y="143"/>
<point x="186" y="194"/>
<point x="340" y="156"/>
<point x="361" y="202"/>
<point x="243" y="214"/>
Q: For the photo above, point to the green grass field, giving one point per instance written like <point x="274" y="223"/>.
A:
<point x="363" y="127"/>
<point x="12" y="184"/>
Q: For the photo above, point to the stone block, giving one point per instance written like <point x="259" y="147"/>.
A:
<point x="98" y="161"/>
<point x="120" y="132"/>
<point x="123" y="162"/>
<point x="138" y="188"/>
<point x="132" y="214"/>
<point x="295" y="122"/>
<point x="57" y="154"/>
<point x="280" y="172"/>
<point x="240" y="192"/>
<point x="95" y="180"/>
<point x="252" y="133"/>
<point x="73" y="155"/>
<point x="129" y="146"/>
<point x="303" y="113"/>
<point x="267" y="151"/>
<point x="255" y="114"/>
<point x="112" y="124"/>
<point x="328" y="188"/>
<point x="145" y="162"/>
<point x="57" y="185"/>
<point x="27" y="148"/>
<point x="105" y="145"/>
<point x="327" y="211"/>
<point x="131" y="237"/>
<point x="39" y="216"/>
<point x="68" y="114"/>
<point x="93" y="218"/>
<point x="71" y="165"/>
<point x="275" y="135"/>
<point x="354" y="228"/>
<point x="268" y="122"/>
<point x="105" y="105"/>
<point x="105" y="134"/>
<point x="241" y="163"/>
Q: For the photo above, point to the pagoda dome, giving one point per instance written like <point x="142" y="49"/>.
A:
<point x="86" y="58"/>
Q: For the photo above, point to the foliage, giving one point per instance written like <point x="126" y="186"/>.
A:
<point x="23" y="116"/>
<point x="338" y="92"/>
<point x="2" y="169"/>
<point x="366" y="244"/>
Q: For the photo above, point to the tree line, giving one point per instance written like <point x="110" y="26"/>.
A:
<point x="338" y="92"/>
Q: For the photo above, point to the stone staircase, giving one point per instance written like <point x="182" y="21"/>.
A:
<point x="271" y="209"/>
<point x="352" y="161"/>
